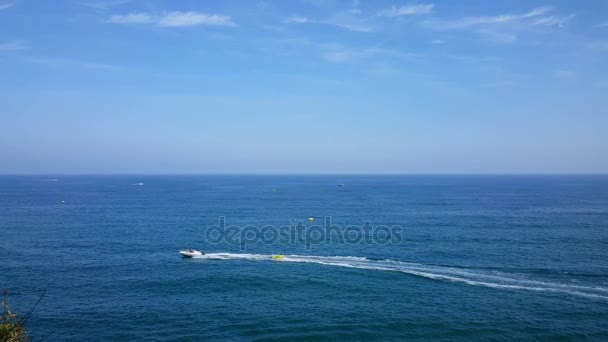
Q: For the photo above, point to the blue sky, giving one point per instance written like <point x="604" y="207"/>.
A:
<point x="303" y="86"/>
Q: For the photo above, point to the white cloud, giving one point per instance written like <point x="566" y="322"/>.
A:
<point x="297" y="20"/>
<point x="14" y="46"/>
<point x="437" y="41"/>
<point x="351" y="27"/>
<point x="132" y="18"/>
<point x="183" y="19"/>
<point x="102" y="5"/>
<point x="7" y="5"/>
<point x="565" y="74"/>
<point x="339" y="54"/>
<point x="553" y="20"/>
<point x="173" y="19"/>
<point x="407" y="10"/>
<point x="602" y="25"/>
<point x="489" y="20"/>
<point x="503" y="28"/>
<point x="337" y="22"/>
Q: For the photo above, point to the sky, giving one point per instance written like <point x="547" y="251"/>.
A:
<point x="303" y="86"/>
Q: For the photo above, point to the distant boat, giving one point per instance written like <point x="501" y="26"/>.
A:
<point x="191" y="253"/>
<point x="139" y="184"/>
<point x="340" y="185"/>
<point x="50" y="180"/>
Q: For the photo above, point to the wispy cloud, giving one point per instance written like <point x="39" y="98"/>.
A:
<point x="389" y="71"/>
<point x="7" y="5"/>
<point x="598" y="46"/>
<point x="473" y="60"/>
<point x="498" y="84"/>
<point x="100" y="66"/>
<point x="102" y="5"/>
<point x="602" y="25"/>
<point x="336" y="22"/>
<point x="437" y="41"/>
<point x="275" y="28"/>
<point x="182" y="19"/>
<point x="69" y="64"/>
<point x="553" y="20"/>
<point x="489" y="20"/>
<point x="498" y="36"/>
<point x="132" y="18"/>
<point x="565" y="74"/>
<point x="14" y="46"/>
<point x="504" y="28"/>
<point x="174" y="19"/>
<point x="351" y="27"/>
<point x="407" y="10"/>
<point x="297" y="20"/>
<point x="338" y="54"/>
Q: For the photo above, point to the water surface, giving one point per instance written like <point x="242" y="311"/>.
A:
<point x="485" y="257"/>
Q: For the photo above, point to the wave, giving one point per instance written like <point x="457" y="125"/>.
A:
<point x="473" y="277"/>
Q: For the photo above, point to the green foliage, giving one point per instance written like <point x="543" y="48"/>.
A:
<point x="11" y="329"/>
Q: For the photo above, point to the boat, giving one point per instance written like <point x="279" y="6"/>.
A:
<point x="277" y="257"/>
<point x="191" y="253"/>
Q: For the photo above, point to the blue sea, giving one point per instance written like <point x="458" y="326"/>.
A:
<point x="494" y="258"/>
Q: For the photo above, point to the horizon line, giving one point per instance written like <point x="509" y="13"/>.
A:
<point x="315" y="174"/>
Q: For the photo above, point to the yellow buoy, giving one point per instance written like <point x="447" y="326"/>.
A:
<point x="311" y="219"/>
<point x="277" y="257"/>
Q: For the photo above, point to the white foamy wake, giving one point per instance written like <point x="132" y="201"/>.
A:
<point x="495" y="279"/>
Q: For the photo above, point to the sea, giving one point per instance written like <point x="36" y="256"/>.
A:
<point x="307" y="257"/>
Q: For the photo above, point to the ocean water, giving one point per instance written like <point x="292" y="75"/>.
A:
<point x="478" y="257"/>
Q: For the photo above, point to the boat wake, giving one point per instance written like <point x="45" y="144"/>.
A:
<point x="473" y="277"/>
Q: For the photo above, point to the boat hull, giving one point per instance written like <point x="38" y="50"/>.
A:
<point x="190" y="254"/>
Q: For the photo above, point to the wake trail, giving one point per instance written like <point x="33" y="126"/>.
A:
<point x="472" y="277"/>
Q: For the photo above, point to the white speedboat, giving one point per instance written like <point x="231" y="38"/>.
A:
<point x="191" y="253"/>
